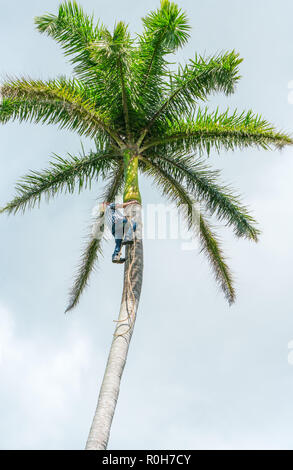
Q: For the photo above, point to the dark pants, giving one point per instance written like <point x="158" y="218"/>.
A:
<point x="118" y="230"/>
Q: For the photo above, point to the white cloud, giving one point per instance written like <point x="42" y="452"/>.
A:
<point x="41" y="384"/>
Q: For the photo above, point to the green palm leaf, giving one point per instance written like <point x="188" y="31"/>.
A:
<point x="210" y="244"/>
<point x="165" y="30"/>
<point x="194" y="83"/>
<point x="203" y="184"/>
<point x="93" y="247"/>
<point x="87" y="264"/>
<point x="112" y="55"/>
<point x="62" y="102"/>
<point x="64" y="175"/>
<point x="219" y="131"/>
<point x="75" y="31"/>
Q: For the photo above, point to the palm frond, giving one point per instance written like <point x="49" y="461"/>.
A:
<point x="178" y="194"/>
<point x="75" y="31"/>
<point x="170" y="187"/>
<point x="86" y="267"/>
<point x="167" y="25"/>
<point x="194" y="83"/>
<point x="165" y="30"/>
<point x="219" y="131"/>
<point x="114" y="184"/>
<point x="64" y="175"/>
<point x="210" y="246"/>
<point x="112" y="55"/>
<point x="63" y="102"/>
<point x="203" y="184"/>
<point x="93" y="248"/>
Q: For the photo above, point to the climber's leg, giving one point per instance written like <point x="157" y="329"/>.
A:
<point x="117" y="232"/>
<point x="130" y="228"/>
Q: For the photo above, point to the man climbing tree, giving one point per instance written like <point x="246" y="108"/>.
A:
<point x="122" y="227"/>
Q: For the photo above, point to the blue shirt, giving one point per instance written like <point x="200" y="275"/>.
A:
<point x="113" y="215"/>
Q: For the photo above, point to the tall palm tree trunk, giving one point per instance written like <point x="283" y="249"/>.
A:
<point x="109" y="392"/>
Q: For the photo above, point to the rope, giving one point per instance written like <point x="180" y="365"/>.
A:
<point x="129" y="284"/>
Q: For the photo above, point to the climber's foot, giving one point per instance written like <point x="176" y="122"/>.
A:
<point x="118" y="259"/>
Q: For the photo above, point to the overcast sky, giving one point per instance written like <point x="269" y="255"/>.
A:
<point x="200" y="375"/>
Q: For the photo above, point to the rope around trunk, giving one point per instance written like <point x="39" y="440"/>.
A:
<point x="129" y="288"/>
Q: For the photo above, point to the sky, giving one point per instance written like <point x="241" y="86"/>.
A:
<point x="200" y="374"/>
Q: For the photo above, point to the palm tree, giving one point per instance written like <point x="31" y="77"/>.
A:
<point x="142" y="118"/>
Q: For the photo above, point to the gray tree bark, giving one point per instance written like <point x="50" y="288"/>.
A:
<point x="109" y="392"/>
